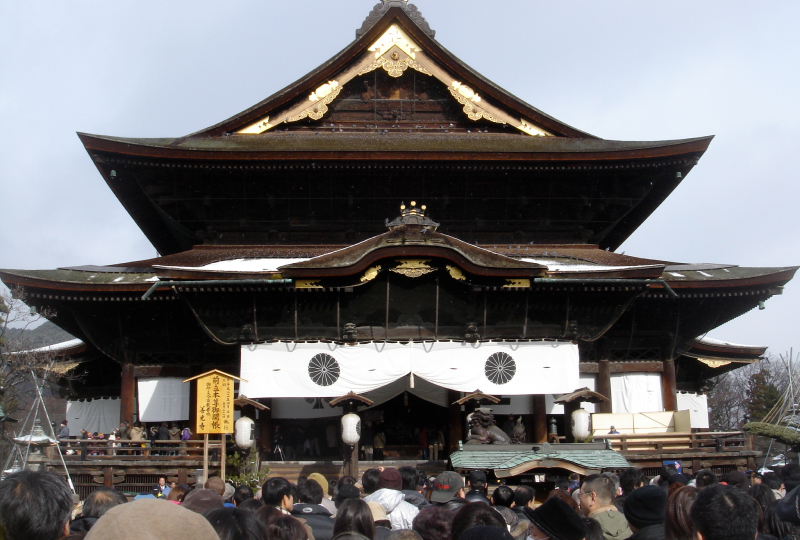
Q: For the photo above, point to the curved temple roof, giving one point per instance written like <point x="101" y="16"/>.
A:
<point x="392" y="116"/>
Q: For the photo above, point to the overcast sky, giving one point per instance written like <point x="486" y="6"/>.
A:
<point x="620" y="70"/>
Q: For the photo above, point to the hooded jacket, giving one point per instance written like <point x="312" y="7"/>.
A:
<point x="613" y="523"/>
<point x="316" y="517"/>
<point x="416" y="498"/>
<point x="400" y="513"/>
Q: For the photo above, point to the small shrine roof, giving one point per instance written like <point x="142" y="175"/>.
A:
<point x="506" y="461"/>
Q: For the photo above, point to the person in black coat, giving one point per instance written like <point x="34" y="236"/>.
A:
<point x="645" y="509"/>
<point x="309" y="508"/>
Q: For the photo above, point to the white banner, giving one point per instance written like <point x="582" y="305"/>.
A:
<point x="97" y="415"/>
<point x="697" y="405"/>
<point x="636" y="393"/>
<point x="163" y="399"/>
<point x="311" y="370"/>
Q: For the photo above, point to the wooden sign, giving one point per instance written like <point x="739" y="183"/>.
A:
<point x="215" y="398"/>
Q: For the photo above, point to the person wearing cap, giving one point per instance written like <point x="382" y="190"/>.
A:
<point x="448" y="491"/>
<point x="556" y="520"/>
<point x="736" y="479"/>
<point x="597" y="501"/>
<point x="125" y="522"/>
<point x="613" y="431"/>
<point x="645" y="510"/>
<point x="477" y="487"/>
<point x="202" y="500"/>
<point x="323" y="483"/>
<point x="400" y="513"/>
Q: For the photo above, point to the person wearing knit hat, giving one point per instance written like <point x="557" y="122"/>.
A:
<point x="555" y="519"/>
<point x="202" y="500"/>
<point x="124" y="522"/>
<point x="645" y="509"/>
<point x="326" y="503"/>
<point x="678" y="478"/>
<point x="401" y="514"/>
<point x="348" y="491"/>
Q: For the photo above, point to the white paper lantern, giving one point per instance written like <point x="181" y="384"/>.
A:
<point x="245" y="432"/>
<point x="581" y="424"/>
<point x="351" y="428"/>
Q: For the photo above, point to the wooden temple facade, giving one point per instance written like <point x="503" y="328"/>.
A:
<point x="281" y="224"/>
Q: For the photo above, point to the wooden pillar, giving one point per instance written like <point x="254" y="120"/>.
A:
<point x="539" y="418"/>
<point x="127" y="394"/>
<point x="604" y="385"/>
<point x="264" y="442"/>
<point x="193" y="370"/>
<point x="454" y="429"/>
<point x="669" y="387"/>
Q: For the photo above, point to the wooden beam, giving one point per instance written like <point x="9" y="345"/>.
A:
<point x="603" y="385"/>
<point x="456" y="434"/>
<point x="624" y="367"/>
<point x="161" y="371"/>
<point x="539" y="418"/>
<point x="669" y="388"/>
<point x="127" y="394"/>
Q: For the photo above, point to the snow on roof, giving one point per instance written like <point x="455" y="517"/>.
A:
<point x="239" y="265"/>
<point x="720" y="343"/>
<point x="576" y="266"/>
<point x="60" y="346"/>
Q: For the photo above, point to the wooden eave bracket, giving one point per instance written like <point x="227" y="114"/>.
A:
<point x="243" y="401"/>
<point x="351" y="396"/>
<point x="477" y="395"/>
<point x="582" y="395"/>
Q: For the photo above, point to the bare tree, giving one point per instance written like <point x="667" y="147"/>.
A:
<point x="23" y="366"/>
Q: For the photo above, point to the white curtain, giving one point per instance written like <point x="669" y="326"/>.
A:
<point x="97" y="415"/>
<point x="163" y="399"/>
<point x="697" y="405"/>
<point x="636" y="393"/>
<point x="327" y="370"/>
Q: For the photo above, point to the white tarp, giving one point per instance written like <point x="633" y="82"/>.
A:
<point x="697" y="405"/>
<point x="163" y="399"/>
<point x="636" y="393"/>
<point x="328" y="370"/>
<point x="97" y="415"/>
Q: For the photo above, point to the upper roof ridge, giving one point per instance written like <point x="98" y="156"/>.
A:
<point x="381" y="8"/>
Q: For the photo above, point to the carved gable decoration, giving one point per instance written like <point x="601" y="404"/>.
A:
<point x="397" y="54"/>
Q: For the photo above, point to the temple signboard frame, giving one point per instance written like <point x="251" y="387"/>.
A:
<point x="215" y="400"/>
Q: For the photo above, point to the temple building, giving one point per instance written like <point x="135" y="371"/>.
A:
<point x="396" y="225"/>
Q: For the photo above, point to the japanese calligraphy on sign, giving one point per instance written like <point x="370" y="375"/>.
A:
<point x="215" y="402"/>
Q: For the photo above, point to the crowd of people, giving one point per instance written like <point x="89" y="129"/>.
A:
<point x="404" y="504"/>
<point x="126" y="439"/>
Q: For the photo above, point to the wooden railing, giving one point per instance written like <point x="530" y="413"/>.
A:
<point x="661" y="443"/>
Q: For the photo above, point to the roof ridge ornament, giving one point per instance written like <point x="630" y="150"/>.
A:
<point x="412" y="216"/>
<point x="410" y="9"/>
